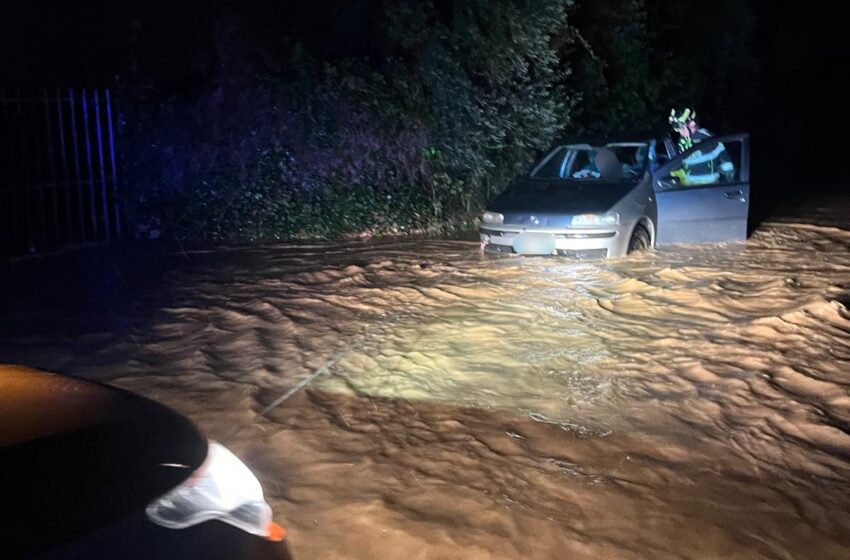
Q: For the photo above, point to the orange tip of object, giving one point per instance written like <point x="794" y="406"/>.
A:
<point x="276" y="533"/>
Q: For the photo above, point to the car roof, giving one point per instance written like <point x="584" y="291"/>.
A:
<point x="602" y="140"/>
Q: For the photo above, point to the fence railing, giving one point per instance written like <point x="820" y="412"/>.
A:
<point x="58" y="169"/>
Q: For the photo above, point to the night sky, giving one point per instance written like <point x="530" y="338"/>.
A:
<point x="804" y="53"/>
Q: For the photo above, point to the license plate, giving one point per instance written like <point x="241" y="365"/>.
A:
<point x="534" y="244"/>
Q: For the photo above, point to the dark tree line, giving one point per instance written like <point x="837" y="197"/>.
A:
<point x="325" y="118"/>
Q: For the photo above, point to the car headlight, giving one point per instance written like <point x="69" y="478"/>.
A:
<point x="594" y="220"/>
<point x="222" y="488"/>
<point x="492" y="218"/>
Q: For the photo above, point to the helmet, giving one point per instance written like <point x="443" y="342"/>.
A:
<point x="678" y="121"/>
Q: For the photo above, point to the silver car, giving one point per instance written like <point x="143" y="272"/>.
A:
<point x="588" y="201"/>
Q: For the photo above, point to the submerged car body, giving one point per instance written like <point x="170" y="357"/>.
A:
<point x="607" y="199"/>
<point x="90" y="471"/>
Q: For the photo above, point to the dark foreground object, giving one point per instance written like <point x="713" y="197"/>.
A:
<point x="79" y="462"/>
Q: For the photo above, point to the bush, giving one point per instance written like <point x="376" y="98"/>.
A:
<point x="449" y="103"/>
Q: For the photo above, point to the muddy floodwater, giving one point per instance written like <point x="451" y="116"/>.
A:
<point x="689" y="402"/>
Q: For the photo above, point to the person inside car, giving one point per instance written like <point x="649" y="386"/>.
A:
<point x="609" y="166"/>
<point x="605" y="165"/>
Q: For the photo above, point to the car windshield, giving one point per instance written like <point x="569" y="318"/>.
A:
<point x="614" y="162"/>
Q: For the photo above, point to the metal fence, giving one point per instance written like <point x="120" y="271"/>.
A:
<point x="58" y="169"/>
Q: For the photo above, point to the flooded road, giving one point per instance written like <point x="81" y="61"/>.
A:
<point x="690" y="402"/>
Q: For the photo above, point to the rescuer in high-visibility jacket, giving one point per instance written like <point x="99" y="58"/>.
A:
<point x="700" y="168"/>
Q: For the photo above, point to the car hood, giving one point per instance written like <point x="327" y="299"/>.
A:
<point x="77" y="455"/>
<point x="533" y="202"/>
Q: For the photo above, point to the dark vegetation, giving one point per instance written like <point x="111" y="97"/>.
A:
<point x="327" y="118"/>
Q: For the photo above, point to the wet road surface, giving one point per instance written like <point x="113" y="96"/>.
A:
<point x="689" y="402"/>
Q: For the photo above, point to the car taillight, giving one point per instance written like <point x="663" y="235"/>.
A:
<point x="222" y="488"/>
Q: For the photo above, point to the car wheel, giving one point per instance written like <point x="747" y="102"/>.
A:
<point x="640" y="240"/>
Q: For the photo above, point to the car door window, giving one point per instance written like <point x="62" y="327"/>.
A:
<point x="552" y="166"/>
<point x="711" y="163"/>
<point x="582" y="165"/>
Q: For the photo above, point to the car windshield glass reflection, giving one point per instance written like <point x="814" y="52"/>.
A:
<point x="610" y="163"/>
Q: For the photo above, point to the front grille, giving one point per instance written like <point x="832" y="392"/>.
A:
<point x="587" y="254"/>
<point x="603" y="235"/>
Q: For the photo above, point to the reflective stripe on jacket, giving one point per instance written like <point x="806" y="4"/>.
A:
<point x="705" y="168"/>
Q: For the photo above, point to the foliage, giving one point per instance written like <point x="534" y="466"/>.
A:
<point x="612" y="61"/>
<point x="283" y="135"/>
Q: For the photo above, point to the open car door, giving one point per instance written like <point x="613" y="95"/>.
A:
<point x="703" y="194"/>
